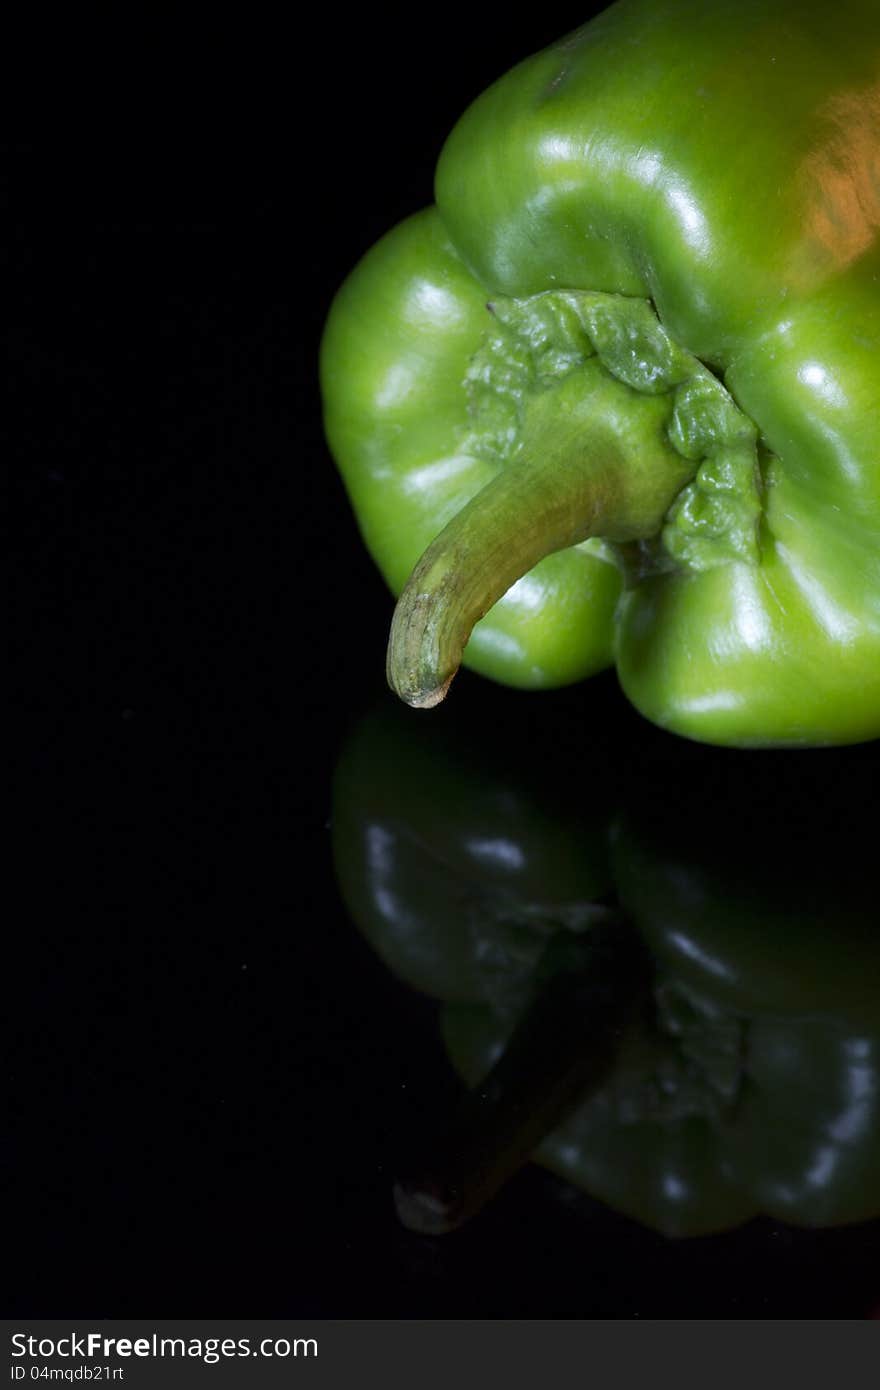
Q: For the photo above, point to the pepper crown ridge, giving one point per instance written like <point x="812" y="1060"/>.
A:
<point x="581" y="358"/>
<point x="537" y="341"/>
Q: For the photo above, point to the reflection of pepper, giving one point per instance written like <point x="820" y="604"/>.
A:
<point x="752" y="1080"/>
<point x="781" y="941"/>
<point x="681" y="194"/>
<point x="449" y="859"/>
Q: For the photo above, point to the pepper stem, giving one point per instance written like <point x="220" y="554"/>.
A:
<point x="595" y="461"/>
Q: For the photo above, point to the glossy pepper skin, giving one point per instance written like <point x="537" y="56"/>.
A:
<point x="622" y="384"/>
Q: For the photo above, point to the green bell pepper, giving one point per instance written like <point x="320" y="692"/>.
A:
<point x="744" y="1078"/>
<point x="616" y="398"/>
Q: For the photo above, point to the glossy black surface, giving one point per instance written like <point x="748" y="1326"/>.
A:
<point x="214" y="1080"/>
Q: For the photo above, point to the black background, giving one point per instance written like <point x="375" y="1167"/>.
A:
<point x="212" y="1078"/>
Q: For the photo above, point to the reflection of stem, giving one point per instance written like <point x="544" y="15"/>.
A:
<point x="559" y="1052"/>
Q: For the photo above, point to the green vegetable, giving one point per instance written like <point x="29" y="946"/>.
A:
<point x="616" y="398"/>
